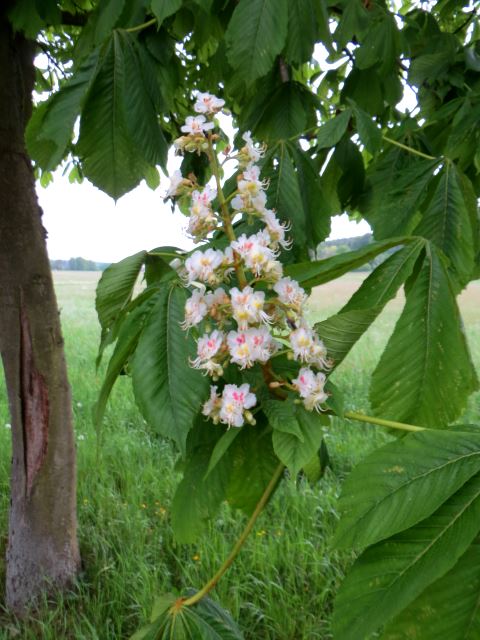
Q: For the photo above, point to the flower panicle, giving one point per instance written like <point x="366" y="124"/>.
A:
<point x="250" y="311"/>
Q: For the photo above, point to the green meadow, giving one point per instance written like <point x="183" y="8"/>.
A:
<point x="283" y="584"/>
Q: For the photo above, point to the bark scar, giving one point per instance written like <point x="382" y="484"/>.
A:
<point x="35" y="407"/>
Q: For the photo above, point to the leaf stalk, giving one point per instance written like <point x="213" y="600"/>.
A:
<point x="240" y="542"/>
<point x="353" y="415"/>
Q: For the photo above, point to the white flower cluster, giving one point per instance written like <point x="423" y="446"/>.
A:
<point x="255" y="310"/>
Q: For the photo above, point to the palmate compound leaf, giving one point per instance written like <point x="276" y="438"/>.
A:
<point x="425" y="373"/>
<point x="342" y="330"/>
<point x="449" y="609"/>
<point x="311" y="274"/>
<point x="167" y="390"/>
<point x="256" y="34"/>
<point x="403" y="483"/>
<point x="205" y="620"/>
<point x="388" y="576"/>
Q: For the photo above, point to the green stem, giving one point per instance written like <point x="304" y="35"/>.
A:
<point x="227" y="221"/>
<point x="353" y="415"/>
<point x="409" y="149"/>
<point x="240" y="542"/>
<point x="144" y="25"/>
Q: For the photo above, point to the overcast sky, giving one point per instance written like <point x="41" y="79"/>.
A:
<point x="83" y="221"/>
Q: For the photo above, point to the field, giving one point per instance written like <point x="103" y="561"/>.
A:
<point x="282" y="585"/>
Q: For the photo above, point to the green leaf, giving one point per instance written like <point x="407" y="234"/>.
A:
<point x="301" y="31"/>
<point x="253" y="464"/>
<point x="287" y="113"/>
<point x="342" y="330"/>
<point x="161" y="9"/>
<point x="311" y="274"/>
<point x="110" y="159"/>
<point x="316" y="204"/>
<point x="398" y="184"/>
<point x="50" y="129"/>
<point x="220" y="449"/>
<point x="391" y="574"/>
<point x="115" y="289"/>
<point x="425" y="374"/>
<point x="296" y="452"/>
<point x="161" y="604"/>
<point x="446" y="223"/>
<point x="281" y="415"/>
<point x="332" y="131"/>
<point x="127" y="340"/>
<point x="213" y="621"/>
<point x="284" y="195"/>
<point x="446" y="610"/>
<point x="315" y="468"/>
<point x="381" y="45"/>
<point x="168" y="391"/>
<point x="256" y="34"/>
<point x="139" y="103"/>
<point x="198" y="497"/>
<point x="403" y="483"/>
<point x="368" y="132"/>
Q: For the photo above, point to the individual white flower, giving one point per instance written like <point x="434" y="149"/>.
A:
<point x="235" y="401"/>
<point x="203" y="198"/>
<point x="195" y="310"/>
<point x="250" y="346"/>
<point x="207" y="103"/>
<point x="307" y="347"/>
<point x="212" y="406"/>
<point x="290" y="292"/>
<point x="273" y="270"/>
<point x="310" y="386"/>
<point x="252" y="204"/>
<point x="201" y="265"/>
<point x="254" y="253"/>
<point x="178" y="185"/>
<point x="196" y="125"/>
<point x="240" y="349"/>
<point x="261" y="343"/>
<point x="318" y="355"/>
<point x="208" y="346"/>
<point x="250" y="153"/>
<point x="276" y="229"/>
<point x="302" y="341"/>
<point x="202" y="219"/>
<point x="250" y="184"/>
<point x="247" y="307"/>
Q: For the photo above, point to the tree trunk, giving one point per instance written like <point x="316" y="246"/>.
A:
<point x="42" y="548"/>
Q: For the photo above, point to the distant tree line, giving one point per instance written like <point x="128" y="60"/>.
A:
<point x="78" y="264"/>
<point x="344" y="245"/>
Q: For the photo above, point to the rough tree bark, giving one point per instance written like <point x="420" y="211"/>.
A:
<point x="42" y="546"/>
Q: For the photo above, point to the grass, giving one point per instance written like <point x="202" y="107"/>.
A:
<point x="282" y="585"/>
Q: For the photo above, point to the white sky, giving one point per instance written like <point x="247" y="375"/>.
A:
<point x="83" y="221"/>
